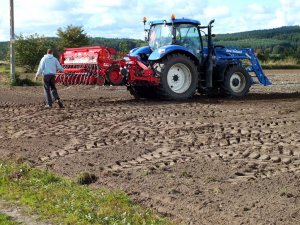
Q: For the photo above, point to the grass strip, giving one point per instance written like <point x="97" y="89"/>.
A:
<point x="280" y="67"/>
<point x="61" y="201"/>
<point x="6" y="220"/>
<point x="21" y="78"/>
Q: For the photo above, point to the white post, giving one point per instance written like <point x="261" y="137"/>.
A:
<point x="12" y="42"/>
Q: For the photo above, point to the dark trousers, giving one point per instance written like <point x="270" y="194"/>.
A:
<point x="49" y="86"/>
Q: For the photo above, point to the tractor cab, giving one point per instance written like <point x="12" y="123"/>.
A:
<point x="170" y="36"/>
<point x="180" y="32"/>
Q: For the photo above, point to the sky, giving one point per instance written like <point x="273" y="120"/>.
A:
<point x="123" y="18"/>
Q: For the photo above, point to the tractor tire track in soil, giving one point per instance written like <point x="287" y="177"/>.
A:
<point x="202" y="161"/>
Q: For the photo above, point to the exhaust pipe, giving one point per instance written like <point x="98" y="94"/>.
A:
<point x="209" y="69"/>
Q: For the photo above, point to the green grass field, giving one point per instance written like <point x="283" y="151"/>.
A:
<point x="288" y="63"/>
<point x="61" y="201"/>
<point x="22" y="78"/>
<point x="6" y="220"/>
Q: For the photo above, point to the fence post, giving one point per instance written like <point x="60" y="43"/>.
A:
<point x="12" y="42"/>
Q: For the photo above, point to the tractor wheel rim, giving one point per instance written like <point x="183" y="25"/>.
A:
<point x="237" y="82"/>
<point x="179" y="78"/>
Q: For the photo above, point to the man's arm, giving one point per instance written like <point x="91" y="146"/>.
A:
<point x="58" y="66"/>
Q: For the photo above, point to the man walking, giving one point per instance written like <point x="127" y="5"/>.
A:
<point x="47" y="68"/>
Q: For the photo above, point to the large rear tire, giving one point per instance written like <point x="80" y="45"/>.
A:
<point x="237" y="82"/>
<point x="178" y="77"/>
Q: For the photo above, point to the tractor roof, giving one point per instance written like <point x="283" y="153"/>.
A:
<point x="169" y="21"/>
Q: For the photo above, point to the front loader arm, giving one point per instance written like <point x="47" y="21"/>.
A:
<point x="227" y="53"/>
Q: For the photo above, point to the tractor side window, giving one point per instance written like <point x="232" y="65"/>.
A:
<point x="166" y="35"/>
<point x="187" y="35"/>
<point x="153" y="36"/>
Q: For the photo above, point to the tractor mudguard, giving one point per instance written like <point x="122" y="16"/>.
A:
<point x="165" y="50"/>
<point x="142" y="50"/>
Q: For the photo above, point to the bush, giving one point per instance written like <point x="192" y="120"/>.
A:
<point x="30" y="50"/>
<point x="21" y="81"/>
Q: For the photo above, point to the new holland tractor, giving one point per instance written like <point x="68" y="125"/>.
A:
<point x="179" y="61"/>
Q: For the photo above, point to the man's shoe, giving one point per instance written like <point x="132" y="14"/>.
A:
<point x="59" y="104"/>
<point x="48" y="107"/>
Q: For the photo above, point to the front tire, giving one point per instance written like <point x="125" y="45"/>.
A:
<point x="237" y="82"/>
<point x="179" y="77"/>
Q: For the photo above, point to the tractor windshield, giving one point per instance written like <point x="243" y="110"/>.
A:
<point x="160" y="35"/>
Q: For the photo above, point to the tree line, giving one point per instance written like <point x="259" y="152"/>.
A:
<point x="29" y="49"/>
<point x="271" y="44"/>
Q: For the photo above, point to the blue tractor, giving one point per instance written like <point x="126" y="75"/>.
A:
<point x="182" y="55"/>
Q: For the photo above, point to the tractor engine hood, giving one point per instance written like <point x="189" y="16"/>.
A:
<point x="141" y="53"/>
<point x="142" y="50"/>
<point x="164" y="50"/>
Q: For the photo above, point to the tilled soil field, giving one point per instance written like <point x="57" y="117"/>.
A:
<point x="202" y="161"/>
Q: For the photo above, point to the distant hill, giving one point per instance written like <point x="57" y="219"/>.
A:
<point x="115" y="43"/>
<point x="283" y="41"/>
<point x="270" y="43"/>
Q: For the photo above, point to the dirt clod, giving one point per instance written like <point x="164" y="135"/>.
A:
<point x="86" y="178"/>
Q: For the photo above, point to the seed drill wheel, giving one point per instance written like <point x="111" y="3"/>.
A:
<point x="114" y="77"/>
<point x="237" y="82"/>
<point x="179" y="77"/>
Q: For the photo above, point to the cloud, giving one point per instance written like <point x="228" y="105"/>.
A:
<point x="286" y="15"/>
<point x="4" y="21"/>
<point x="290" y="11"/>
<point x="217" y="12"/>
<point x="259" y="15"/>
<point x="123" y="18"/>
<point x="257" y="8"/>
